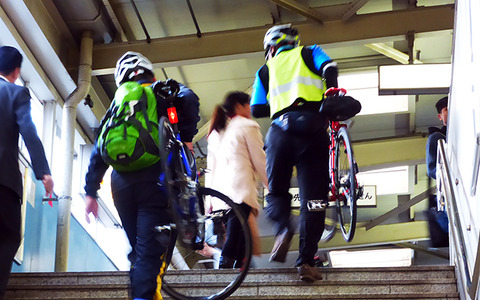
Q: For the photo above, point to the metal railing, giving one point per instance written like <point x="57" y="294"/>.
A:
<point x="468" y="274"/>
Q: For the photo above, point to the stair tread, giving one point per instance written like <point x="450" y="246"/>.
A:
<point x="418" y="282"/>
<point x="255" y="270"/>
<point x="247" y="283"/>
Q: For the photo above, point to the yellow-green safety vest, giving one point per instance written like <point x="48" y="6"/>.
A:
<point x="290" y="79"/>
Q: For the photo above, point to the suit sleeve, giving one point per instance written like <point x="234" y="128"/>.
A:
<point x="29" y="133"/>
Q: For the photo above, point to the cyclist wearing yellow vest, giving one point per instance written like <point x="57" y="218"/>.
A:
<point x="290" y="88"/>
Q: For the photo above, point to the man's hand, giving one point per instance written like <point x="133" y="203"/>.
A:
<point x="91" y="206"/>
<point x="48" y="184"/>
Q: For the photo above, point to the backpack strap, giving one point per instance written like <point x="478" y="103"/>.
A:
<point x="144" y="134"/>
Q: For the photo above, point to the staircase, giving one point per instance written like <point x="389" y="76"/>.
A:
<point x="420" y="282"/>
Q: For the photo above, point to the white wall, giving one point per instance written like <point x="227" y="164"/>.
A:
<point x="464" y="117"/>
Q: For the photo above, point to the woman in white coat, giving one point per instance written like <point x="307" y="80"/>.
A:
<point x="235" y="158"/>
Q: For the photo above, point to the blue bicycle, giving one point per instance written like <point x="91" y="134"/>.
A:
<point x="197" y="236"/>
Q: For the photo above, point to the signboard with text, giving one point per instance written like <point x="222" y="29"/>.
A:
<point x="369" y="197"/>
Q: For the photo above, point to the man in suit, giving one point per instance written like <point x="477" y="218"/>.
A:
<point x="16" y="119"/>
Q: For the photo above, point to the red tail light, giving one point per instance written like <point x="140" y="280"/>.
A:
<point x="172" y="115"/>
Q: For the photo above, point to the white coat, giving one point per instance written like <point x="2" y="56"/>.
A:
<point x="235" y="158"/>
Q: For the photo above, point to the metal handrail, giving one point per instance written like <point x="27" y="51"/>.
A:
<point x="446" y="187"/>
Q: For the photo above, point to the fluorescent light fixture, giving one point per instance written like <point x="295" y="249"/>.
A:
<point x="418" y="79"/>
<point x="372" y="258"/>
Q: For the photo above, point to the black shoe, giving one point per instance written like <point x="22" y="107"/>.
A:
<point x="282" y="244"/>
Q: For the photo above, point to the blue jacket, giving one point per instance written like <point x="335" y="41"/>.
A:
<point x="16" y="120"/>
<point x="188" y="117"/>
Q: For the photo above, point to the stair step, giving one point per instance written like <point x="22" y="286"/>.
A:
<point x="423" y="282"/>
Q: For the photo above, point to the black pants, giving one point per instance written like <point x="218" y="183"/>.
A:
<point x="141" y="207"/>
<point x="308" y="151"/>
<point x="10" y="220"/>
<point x="235" y="243"/>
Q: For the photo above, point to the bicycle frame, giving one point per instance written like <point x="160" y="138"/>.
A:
<point x="173" y="118"/>
<point x="185" y="206"/>
<point x="334" y="128"/>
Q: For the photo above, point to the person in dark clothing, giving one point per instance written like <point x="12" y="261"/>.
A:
<point x="140" y="200"/>
<point x="290" y="89"/>
<point x="16" y="120"/>
<point x="436" y="215"/>
<point x="436" y="134"/>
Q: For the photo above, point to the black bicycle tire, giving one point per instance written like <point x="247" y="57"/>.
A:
<point x="164" y="136"/>
<point x="238" y="279"/>
<point x="343" y="144"/>
<point x="172" y="167"/>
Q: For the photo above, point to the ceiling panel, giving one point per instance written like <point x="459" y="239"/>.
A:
<point x="170" y="19"/>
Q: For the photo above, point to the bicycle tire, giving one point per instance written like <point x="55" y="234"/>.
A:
<point x="199" y="278"/>
<point x="165" y="135"/>
<point x="345" y="184"/>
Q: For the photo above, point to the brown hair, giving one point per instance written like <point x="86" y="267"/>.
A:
<point x="226" y="110"/>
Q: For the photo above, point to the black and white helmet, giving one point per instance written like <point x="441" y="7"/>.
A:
<point x="130" y="65"/>
<point x="281" y="35"/>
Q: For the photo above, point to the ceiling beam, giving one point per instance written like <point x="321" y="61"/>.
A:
<point x="275" y="12"/>
<point x="43" y="36"/>
<point x="391" y="52"/>
<point x="32" y="71"/>
<point x="116" y="23"/>
<point x="352" y="8"/>
<point x="234" y="44"/>
<point x="300" y="9"/>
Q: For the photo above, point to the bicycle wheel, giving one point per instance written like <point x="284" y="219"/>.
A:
<point x="194" y="274"/>
<point x="345" y="184"/>
<point x="165" y="136"/>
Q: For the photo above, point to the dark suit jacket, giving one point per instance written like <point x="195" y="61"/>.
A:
<point x="16" y="119"/>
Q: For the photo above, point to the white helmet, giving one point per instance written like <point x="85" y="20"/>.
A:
<point x="279" y="35"/>
<point x="130" y="65"/>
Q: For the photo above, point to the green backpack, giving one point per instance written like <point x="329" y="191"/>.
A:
<point x="128" y="138"/>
